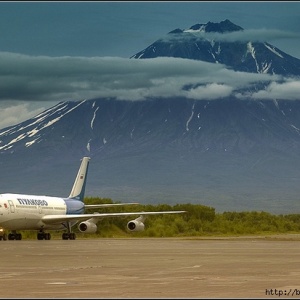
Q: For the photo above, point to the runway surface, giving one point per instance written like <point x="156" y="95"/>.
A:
<point x="151" y="268"/>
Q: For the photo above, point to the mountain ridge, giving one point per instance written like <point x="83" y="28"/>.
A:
<point x="250" y="56"/>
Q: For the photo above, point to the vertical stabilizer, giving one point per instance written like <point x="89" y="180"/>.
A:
<point x="80" y="181"/>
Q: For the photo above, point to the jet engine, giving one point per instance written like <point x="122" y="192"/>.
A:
<point x="87" y="227"/>
<point x="137" y="224"/>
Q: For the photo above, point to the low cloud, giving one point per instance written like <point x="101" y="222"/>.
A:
<point x="41" y="79"/>
<point x="253" y="35"/>
<point x="276" y="90"/>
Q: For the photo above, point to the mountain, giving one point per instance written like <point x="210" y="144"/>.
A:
<point x="206" y="42"/>
<point x="229" y="154"/>
<point x="226" y="153"/>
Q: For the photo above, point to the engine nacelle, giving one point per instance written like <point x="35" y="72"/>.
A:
<point x="87" y="227"/>
<point x="136" y="225"/>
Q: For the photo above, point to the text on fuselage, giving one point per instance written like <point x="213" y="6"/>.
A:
<point x="32" y="202"/>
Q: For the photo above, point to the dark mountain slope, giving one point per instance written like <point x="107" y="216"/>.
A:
<point x="229" y="154"/>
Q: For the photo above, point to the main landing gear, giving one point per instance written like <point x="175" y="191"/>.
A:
<point x="68" y="235"/>
<point x="43" y="235"/>
<point x="47" y="236"/>
<point x="14" y="236"/>
<point x="11" y="236"/>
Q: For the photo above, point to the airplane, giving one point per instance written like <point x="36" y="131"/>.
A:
<point x="32" y="212"/>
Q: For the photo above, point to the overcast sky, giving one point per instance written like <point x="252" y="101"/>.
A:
<point x="58" y="51"/>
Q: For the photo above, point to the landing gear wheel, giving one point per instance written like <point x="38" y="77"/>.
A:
<point x="43" y="236"/>
<point x="14" y="236"/>
<point x="65" y="236"/>
<point x="68" y="236"/>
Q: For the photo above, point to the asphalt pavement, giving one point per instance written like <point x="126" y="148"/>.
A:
<point x="245" y="267"/>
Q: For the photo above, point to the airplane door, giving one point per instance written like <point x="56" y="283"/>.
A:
<point x="11" y="206"/>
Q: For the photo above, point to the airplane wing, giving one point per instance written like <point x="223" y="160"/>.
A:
<point x="107" y="205"/>
<point x="57" y="219"/>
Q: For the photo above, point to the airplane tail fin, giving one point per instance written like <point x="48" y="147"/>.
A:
<point x="78" y="189"/>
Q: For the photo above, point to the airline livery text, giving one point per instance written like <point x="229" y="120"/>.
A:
<point x="32" y="202"/>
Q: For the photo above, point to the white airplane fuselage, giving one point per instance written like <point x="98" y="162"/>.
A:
<point x="25" y="212"/>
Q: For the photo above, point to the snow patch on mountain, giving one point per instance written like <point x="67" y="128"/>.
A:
<point x="190" y="118"/>
<point x="273" y="50"/>
<point x="94" y="117"/>
<point x="40" y="126"/>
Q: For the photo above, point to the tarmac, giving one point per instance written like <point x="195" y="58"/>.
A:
<point x="246" y="267"/>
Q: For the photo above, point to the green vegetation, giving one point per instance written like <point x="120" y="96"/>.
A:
<point x="199" y="221"/>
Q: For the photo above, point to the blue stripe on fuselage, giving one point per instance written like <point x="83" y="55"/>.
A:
<point x="74" y="206"/>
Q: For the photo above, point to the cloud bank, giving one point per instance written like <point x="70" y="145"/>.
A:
<point x="41" y="79"/>
<point x="253" y="35"/>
